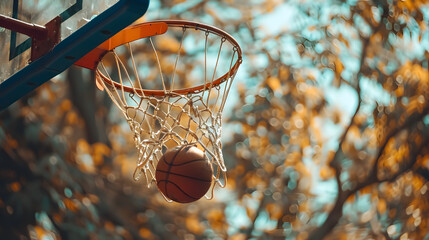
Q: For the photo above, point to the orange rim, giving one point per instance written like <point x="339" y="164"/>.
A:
<point x="170" y="23"/>
<point x="127" y="35"/>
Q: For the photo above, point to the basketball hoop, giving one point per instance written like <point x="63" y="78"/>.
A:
<point x="189" y="68"/>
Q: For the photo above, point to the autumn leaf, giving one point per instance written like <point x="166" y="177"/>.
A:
<point x="194" y="225"/>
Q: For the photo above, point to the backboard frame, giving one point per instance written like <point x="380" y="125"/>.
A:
<point x="71" y="49"/>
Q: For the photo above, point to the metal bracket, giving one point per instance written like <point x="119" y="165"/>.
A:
<point x="40" y="46"/>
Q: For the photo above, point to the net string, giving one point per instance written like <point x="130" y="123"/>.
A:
<point x="135" y="69"/>
<point x="123" y="106"/>
<point x="215" y="68"/>
<point x="156" y="112"/>
<point x="120" y="64"/>
<point x="159" y="64"/>
<point x="205" y="61"/>
<point x="228" y="84"/>
<point x="119" y="104"/>
<point x="120" y="75"/>
<point x="177" y="59"/>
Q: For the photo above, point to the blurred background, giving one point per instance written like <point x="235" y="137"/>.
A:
<point x="325" y="135"/>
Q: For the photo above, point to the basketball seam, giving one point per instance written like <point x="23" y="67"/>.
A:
<point x="174" y="157"/>
<point x="178" y="187"/>
<point x="181" y="175"/>
<point x="181" y="164"/>
<point x="169" y="168"/>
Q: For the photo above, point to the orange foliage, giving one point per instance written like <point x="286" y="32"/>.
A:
<point x="15" y="186"/>
<point x="109" y="226"/>
<point x="326" y="173"/>
<point x="70" y="204"/>
<point x="145" y="233"/>
<point x="216" y="219"/>
<point x="274" y="210"/>
<point x="194" y="225"/>
<point x="381" y="206"/>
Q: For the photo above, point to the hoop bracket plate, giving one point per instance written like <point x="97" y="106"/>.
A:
<point x="40" y="46"/>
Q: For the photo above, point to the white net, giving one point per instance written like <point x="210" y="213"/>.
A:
<point x="190" y="70"/>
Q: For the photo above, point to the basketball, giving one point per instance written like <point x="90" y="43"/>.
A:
<point x="184" y="174"/>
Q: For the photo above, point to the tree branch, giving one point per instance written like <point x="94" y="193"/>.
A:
<point x="408" y="122"/>
<point x="336" y="213"/>
<point x="258" y="211"/>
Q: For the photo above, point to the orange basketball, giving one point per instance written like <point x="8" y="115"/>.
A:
<point x="184" y="174"/>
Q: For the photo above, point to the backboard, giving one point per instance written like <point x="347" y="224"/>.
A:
<point x="84" y="24"/>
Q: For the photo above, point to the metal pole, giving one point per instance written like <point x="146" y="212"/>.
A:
<point x="29" y="29"/>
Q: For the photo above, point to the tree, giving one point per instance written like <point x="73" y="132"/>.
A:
<point x="383" y="142"/>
